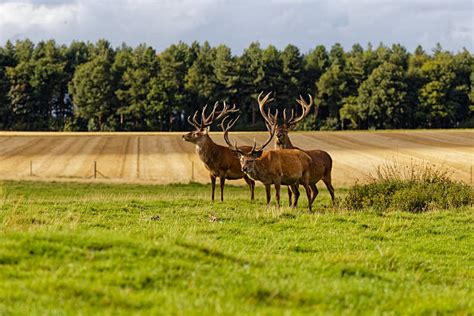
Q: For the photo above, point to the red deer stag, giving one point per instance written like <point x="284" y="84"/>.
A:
<point x="221" y="162"/>
<point x="278" y="167"/>
<point x="321" y="166"/>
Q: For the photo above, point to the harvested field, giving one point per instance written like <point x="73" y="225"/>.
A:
<point x="164" y="158"/>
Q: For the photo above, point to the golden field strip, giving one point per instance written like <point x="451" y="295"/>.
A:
<point x="164" y="158"/>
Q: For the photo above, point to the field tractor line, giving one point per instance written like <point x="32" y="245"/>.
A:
<point x="150" y="158"/>
<point x="76" y="162"/>
<point x="61" y="162"/>
<point x="404" y="151"/>
<point x="178" y="165"/>
<point x="53" y="162"/>
<point x="366" y="142"/>
<point x="177" y="146"/>
<point x="385" y="153"/>
<point x="58" y="161"/>
<point x="357" y="153"/>
<point x="111" y="158"/>
<point x="124" y="156"/>
<point x="426" y="141"/>
<point x="23" y="144"/>
<point x="152" y="154"/>
<point x="3" y="140"/>
<point x="449" y="138"/>
<point x="163" y="161"/>
<point x="307" y="142"/>
<point x="443" y="156"/>
<point x="21" y="163"/>
<point x="138" y="157"/>
<point x="97" y="158"/>
<point x="403" y="145"/>
<point x="82" y="164"/>
<point x="131" y="160"/>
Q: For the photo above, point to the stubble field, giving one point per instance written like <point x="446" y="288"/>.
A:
<point x="163" y="158"/>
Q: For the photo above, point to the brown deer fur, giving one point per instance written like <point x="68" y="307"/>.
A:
<point x="219" y="160"/>
<point x="321" y="165"/>
<point x="278" y="167"/>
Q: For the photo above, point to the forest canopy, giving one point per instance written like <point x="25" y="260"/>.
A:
<point x="96" y="87"/>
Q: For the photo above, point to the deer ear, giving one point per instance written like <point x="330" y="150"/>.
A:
<point x="291" y="127"/>
<point x="207" y="129"/>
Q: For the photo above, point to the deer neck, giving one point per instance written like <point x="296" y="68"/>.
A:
<point x="206" y="149"/>
<point x="286" y="144"/>
<point x="260" y="169"/>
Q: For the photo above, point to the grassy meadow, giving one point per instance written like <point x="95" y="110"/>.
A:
<point x="144" y="249"/>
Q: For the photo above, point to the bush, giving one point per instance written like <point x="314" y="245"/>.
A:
<point x="411" y="188"/>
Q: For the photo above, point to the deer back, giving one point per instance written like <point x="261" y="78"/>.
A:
<point x="288" y="165"/>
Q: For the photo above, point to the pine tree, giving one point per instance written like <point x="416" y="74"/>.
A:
<point x="168" y="93"/>
<point x="225" y="72"/>
<point x="200" y="79"/>
<point x="136" y="70"/>
<point x="315" y="63"/>
<point x="92" y="89"/>
<point x="383" y="98"/>
<point x="7" y="59"/>
<point x="251" y="75"/>
<point x="332" y="89"/>
<point x="292" y="63"/>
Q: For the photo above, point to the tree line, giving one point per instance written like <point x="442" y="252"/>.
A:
<point x="93" y="86"/>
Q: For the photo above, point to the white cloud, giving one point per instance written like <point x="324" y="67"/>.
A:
<point x="304" y="23"/>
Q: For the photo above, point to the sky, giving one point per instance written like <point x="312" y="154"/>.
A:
<point x="304" y="23"/>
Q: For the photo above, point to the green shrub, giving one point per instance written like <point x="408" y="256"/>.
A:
<point x="412" y="188"/>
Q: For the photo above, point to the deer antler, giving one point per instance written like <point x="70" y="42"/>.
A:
<point x="226" y="110"/>
<point x="268" y="117"/>
<point x="271" y="127"/>
<point x="193" y="121"/>
<point x="207" y="120"/>
<point x="305" y="108"/>
<point x="226" y="129"/>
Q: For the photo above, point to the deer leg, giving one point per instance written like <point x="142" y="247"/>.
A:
<point x="252" y="196"/>
<point x="289" y="195"/>
<point x="314" y="188"/>
<point x="251" y="184"/>
<point x="277" y="194"/>
<point x="327" y="182"/>
<point x="267" y="190"/>
<point x="213" y="184"/>
<point x="222" y="182"/>
<point x="296" y="191"/>
<point x="308" y="195"/>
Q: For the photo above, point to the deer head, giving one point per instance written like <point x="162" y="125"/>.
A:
<point x="201" y="128"/>
<point x="247" y="158"/>
<point x="289" y="121"/>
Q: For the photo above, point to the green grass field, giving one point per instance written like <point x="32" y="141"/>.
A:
<point x="88" y="249"/>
